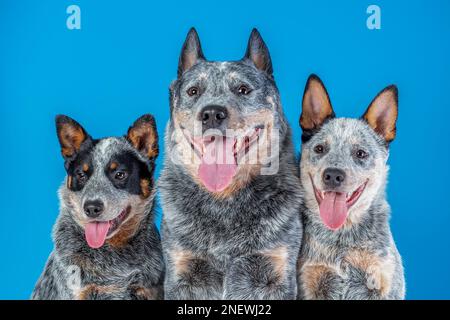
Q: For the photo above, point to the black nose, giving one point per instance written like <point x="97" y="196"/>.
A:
<point x="93" y="208"/>
<point x="333" y="177"/>
<point x="213" y="117"/>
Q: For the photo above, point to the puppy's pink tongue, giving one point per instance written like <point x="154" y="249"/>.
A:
<point x="218" y="165"/>
<point x="333" y="209"/>
<point x="95" y="233"/>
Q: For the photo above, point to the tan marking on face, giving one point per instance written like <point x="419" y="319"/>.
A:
<point x="126" y="231"/>
<point x="85" y="167"/>
<point x="375" y="180"/>
<point x="113" y="165"/>
<point x="184" y="119"/>
<point x="379" y="270"/>
<point x="86" y="291"/>
<point x="183" y="149"/>
<point x="145" y="184"/>
<point x="243" y="176"/>
<point x="249" y="166"/>
<point x="69" y="181"/>
<point x="279" y="259"/>
<point x="260" y="117"/>
<point x="181" y="260"/>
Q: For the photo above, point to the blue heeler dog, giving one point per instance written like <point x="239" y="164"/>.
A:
<point x="106" y="243"/>
<point x="230" y="188"/>
<point x="348" y="251"/>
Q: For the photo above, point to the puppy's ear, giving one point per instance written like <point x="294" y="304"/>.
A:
<point x="258" y="53"/>
<point x="144" y="136"/>
<point x="382" y="113"/>
<point x="191" y="52"/>
<point x="316" y="106"/>
<point x="71" y="135"/>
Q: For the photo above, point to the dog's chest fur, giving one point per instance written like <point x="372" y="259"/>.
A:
<point x="75" y="271"/>
<point x="249" y="220"/>
<point x="360" y="262"/>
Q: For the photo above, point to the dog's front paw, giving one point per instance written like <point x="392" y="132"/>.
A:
<point x="378" y="278"/>
<point x="374" y="278"/>
<point x="97" y="292"/>
<point x="321" y="282"/>
<point x="141" y="293"/>
<point x="378" y="271"/>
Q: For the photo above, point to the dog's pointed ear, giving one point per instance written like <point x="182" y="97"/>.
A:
<point x="71" y="135"/>
<point x="191" y="52"/>
<point x="316" y="105"/>
<point x="144" y="136"/>
<point x="258" y="53"/>
<point x="382" y="113"/>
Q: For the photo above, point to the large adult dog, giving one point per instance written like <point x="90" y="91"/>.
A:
<point x="230" y="189"/>
<point x="348" y="251"/>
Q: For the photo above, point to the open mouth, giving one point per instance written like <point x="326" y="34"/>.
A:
<point x="334" y="206"/>
<point x="96" y="232"/>
<point x="220" y="156"/>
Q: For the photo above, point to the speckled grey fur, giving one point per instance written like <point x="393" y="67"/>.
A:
<point x="132" y="270"/>
<point x="244" y="245"/>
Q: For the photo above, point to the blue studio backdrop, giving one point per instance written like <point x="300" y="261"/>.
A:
<point x="119" y="65"/>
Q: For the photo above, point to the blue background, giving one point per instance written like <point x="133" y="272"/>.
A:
<point x="120" y="64"/>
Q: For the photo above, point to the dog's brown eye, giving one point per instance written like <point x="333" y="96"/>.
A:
<point x="192" y="91"/>
<point x="244" y="90"/>
<point x="120" y="175"/>
<point x="319" y="148"/>
<point x="361" y="154"/>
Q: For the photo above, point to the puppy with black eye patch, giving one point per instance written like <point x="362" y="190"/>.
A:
<point x="348" y="251"/>
<point x="106" y="243"/>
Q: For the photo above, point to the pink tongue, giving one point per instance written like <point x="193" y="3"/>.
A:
<point x="218" y="165"/>
<point x="333" y="209"/>
<point x="95" y="233"/>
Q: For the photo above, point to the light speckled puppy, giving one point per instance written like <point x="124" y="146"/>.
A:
<point x="231" y="228"/>
<point x="348" y="251"/>
<point x="106" y="243"/>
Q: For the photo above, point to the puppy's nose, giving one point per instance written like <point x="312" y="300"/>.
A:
<point x="93" y="208"/>
<point x="333" y="177"/>
<point x="213" y="117"/>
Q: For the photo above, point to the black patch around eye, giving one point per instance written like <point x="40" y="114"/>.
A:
<point x="134" y="169"/>
<point x="79" y="168"/>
